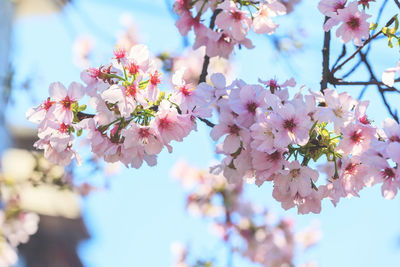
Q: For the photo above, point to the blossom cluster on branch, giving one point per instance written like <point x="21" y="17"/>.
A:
<point x="16" y="227"/>
<point x="268" y="136"/>
<point x="134" y="120"/>
<point x="233" y="21"/>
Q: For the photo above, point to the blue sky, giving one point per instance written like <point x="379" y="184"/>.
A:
<point x="136" y="220"/>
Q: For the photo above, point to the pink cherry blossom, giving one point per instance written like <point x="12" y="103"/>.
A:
<point x="37" y="115"/>
<point x="170" y="124"/>
<point x="236" y="133"/>
<point x="330" y="7"/>
<point x="338" y="108"/>
<point x="355" y="139"/>
<point x="262" y="22"/>
<point x="266" y="164"/>
<point x="245" y="101"/>
<point x="354" y="24"/>
<point x="263" y="134"/>
<point x="292" y="126"/>
<point x="64" y="100"/>
<point x="232" y="18"/>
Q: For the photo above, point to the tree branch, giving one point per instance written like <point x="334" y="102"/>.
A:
<point x="341" y="56"/>
<point x="207" y="122"/>
<point x="371" y="82"/>
<point x="325" y="59"/>
<point x="82" y="115"/>
<point x="380" y="89"/>
<point x="397" y="3"/>
<point x="206" y="61"/>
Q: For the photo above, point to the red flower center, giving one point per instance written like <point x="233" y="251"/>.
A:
<point x="357" y="137"/>
<point x="164" y="123"/>
<point x="338" y="6"/>
<point x="66" y="102"/>
<point x="233" y="129"/>
<point x="47" y="104"/>
<point x="144" y="133"/>
<point x="388" y="173"/>
<point x="133" y="68"/>
<point x="351" y="168"/>
<point x="251" y="107"/>
<point x="353" y="23"/>
<point x="63" y="128"/>
<point x="237" y="16"/>
<point x="119" y="53"/>
<point x="274" y="156"/>
<point x="131" y="90"/>
<point x="94" y="73"/>
<point x="185" y="91"/>
<point x="289" y="125"/>
<point x="364" y="120"/>
<point x="154" y="79"/>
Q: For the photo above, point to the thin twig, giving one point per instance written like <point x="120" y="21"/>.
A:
<point x="341" y="56"/>
<point x="397" y="3"/>
<point x="352" y="70"/>
<point x="207" y="122"/>
<point x="380" y="89"/>
<point x="371" y="82"/>
<point x="362" y="92"/>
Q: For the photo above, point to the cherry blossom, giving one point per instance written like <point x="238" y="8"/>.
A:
<point x="354" y="25"/>
<point x="262" y="22"/>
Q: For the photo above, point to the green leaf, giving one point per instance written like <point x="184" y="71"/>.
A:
<point x="373" y="26"/>
<point x="81" y="108"/>
<point x="74" y="106"/>
<point x="390" y="42"/>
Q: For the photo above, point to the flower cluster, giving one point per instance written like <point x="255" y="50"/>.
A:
<point x="231" y="20"/>
<point x="16" y="227"/>
<point x="352" y="21"/>
<point x="16" y="223"/>
<point x="134" y="120"/>
<point x="267" y="136"/>
<point x="192" y="60"/>
<point x="249" y="231"/>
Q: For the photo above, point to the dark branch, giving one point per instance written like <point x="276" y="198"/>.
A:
<point x="371" y="82"/>
<point x="397" y="3"/>
<point x="206" y="61"/>
<point x="352" y="70"/>
<point x="207" y="122"/>
<point x="340" y="56"/>
<point x="379" y="87"/>
<point x="82" y="116"/>
<point x="325" y="59"/>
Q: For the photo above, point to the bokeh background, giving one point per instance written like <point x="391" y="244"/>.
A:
<point x="134" y="221"/>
